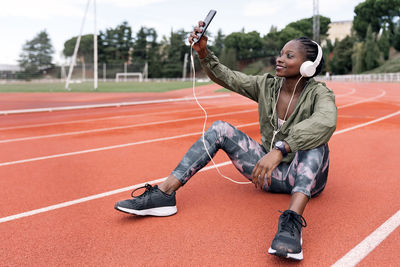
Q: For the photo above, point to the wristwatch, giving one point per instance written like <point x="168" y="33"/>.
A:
<point x="280" y="145"/>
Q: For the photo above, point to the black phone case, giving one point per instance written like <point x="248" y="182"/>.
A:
<point x="207" y="22"/>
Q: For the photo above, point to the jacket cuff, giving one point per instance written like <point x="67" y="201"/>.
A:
<point x="208" y="58"/>
<point x="292" y="144"/>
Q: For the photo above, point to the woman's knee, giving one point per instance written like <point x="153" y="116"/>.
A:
<point x="223" y="128"/>
<point x="219" y="124"/>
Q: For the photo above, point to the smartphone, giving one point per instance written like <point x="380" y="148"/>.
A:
<point x="207" y="22"/>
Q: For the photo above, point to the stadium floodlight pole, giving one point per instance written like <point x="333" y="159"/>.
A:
<point x="95" y="48"/>
<point x="316" y="26"/>
<point x="185" y="61"/>
<point x="146" y="71"/>
<point x="125" y="69"/>
<point x="71" y="66"/>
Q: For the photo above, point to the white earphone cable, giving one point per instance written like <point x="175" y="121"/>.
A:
<point x="205" y="120"/>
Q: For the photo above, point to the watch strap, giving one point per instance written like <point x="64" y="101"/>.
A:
<point x="281" y="146"/>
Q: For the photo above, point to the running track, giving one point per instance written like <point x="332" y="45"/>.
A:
<point x="61" y="173"/>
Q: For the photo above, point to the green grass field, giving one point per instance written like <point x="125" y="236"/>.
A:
<point x="390" y="66"/>
<point x="102" y="87"/>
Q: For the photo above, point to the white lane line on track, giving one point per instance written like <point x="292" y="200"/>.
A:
<point x="120" y="127"/>
<point x="359" y="252"/>
<point x="164" y="139"/>
<point x="80" y="200"/>
<point x="92" y="197"/>
<point x="356" y="117"/>
<point x="111" y="147"/>
<point x="367" y="123"/>
<point x="97" y="149"/>
<point x="353" y="90"/>
<point x="364" y="100"/>
<point x="155" y="123"/>
<point x="110" y="118"/>
<point x="120" y="104"/>
<point x="92" y="120"/>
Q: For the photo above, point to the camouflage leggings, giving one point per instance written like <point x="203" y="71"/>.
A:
<point x="307" y="173"/>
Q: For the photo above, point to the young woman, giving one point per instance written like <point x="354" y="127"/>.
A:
<point x="297" y="117"/>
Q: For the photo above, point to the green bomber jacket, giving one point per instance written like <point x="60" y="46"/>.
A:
<point x="311" y="124"/>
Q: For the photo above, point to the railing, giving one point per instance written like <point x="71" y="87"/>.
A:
<point x="376" y="77"/>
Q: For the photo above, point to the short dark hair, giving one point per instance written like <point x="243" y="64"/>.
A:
<point x="311" y="52"/>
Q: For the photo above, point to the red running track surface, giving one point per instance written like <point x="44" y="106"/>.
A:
<point x="57" y="157"/>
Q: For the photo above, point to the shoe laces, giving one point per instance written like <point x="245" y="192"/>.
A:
<point x="291" y="221"/>
<point x="148" y="188"/>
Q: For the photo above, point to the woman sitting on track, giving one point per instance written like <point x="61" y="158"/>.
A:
<point x="297" y="117"/>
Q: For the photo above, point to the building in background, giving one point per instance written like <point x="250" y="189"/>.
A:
<point x="339" y="30"/>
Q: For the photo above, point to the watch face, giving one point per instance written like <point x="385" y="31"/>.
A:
<point x="281" y="146"/>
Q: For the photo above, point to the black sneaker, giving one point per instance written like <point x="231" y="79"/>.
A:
<point x="287" y="241"/>
<point x="152" y="202"/>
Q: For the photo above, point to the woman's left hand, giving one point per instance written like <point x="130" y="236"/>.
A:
<point x="265" y="166"/>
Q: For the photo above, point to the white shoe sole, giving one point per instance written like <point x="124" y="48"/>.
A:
<point x="295" y="256"/>
<point x="162" y="211"/>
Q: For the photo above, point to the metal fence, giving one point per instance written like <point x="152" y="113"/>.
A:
<point x="376" y="77"/>
<point x="81" y="72"/>
<point x="107" y="72"/>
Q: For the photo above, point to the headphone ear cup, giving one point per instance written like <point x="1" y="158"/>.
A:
<point x="307" y="69"/>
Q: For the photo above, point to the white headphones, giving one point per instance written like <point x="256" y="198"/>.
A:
<point x="308" y="68"/>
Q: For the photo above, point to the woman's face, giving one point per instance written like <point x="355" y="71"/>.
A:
<point x="289" y="60"/>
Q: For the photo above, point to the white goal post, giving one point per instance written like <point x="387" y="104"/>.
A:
<point x="126" y="74"/>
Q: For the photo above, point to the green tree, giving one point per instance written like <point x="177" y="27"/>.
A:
<point x="341" y="62"/>
<point x="272" y="45"/>
<point x="288" y="33"/>
<point x="114" y="44"/>
<point x="327" y="50"/>
<point x="371" y="51"/>
<point x="357" y="57"/>
<point x="85" y="51"/>
<point x="271" y="42"/>
<point x="218" y="44"/>
<point x="36" y="54"/>
<point x="247" y="45"/>
<point x="275" y="40"/>
<point x="140" y="50"/>
<point x="396" y="38"/>
<point x="229" y="58"/>
<point x="384" y="44"/>
<point x="376" y="13"/>
<point x="145" y="41"/>
<point x="174" y="51"/>
<point x="146" y="50"/>
<point x="154" y="61"/>
<point x="306" y="26"/>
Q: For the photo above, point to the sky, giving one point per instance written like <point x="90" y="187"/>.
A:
<point x="22" y="20"/>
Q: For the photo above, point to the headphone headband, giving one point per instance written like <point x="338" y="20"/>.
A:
<point x="319" y="56"/>
<point x="308" y="68"/>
